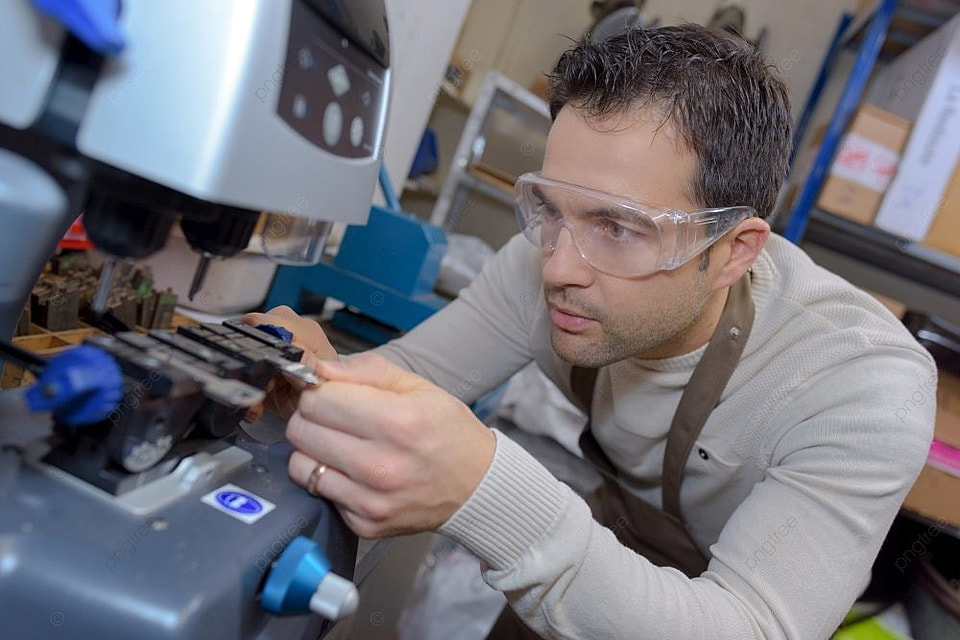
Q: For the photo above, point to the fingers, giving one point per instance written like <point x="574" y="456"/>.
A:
<point x="306" y="332"/>
<point x="336" y="448"/>
<point x="372" y="370"/>
<point x="397" y="461"/>
<point x="282" y="311"/>
<point x="355" y="392"/>
<point x="366" y="508"/>
<point x="330" y="484"/>
<point x="356" y="409"/>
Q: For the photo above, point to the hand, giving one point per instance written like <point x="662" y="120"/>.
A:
<point x="283" y="393"/>
<point x="402" y="455"/>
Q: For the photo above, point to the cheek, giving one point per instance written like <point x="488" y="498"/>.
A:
<point x="651" y="302"/>
<point x="623" y="302"/>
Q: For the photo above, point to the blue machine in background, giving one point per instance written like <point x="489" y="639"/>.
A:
<point x="384" y="270"/>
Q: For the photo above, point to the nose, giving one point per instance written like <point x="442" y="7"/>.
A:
<point x="564" y="266"/>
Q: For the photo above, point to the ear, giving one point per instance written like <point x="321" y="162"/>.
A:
<point x="740" y="249"/>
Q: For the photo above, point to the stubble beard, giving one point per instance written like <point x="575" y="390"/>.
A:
<point x="615" y="339"/>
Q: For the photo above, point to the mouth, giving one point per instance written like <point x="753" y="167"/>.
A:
<point x="569" y="320"/>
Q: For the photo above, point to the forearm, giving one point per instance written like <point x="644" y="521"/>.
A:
<point x="568" y="576"/>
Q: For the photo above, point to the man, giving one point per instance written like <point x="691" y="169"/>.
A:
<point x="742" y="401"/>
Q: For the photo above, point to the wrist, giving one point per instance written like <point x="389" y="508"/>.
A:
<point x="516" y="502"/>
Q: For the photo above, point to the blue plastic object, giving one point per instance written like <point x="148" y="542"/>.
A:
<point x="294" y="578"/>
<point x="277" y="332"/>
<point x="95" y="22"/>
<point x="426" y="159"/>
<point x="388" y="193"/>
<point x="385" y="270"/>
<point x="821" y="82"/>
<point x="80" y="386"/>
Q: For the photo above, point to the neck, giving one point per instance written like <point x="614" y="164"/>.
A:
<point x="697" y="334"/>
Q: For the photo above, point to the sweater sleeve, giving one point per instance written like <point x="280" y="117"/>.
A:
<point x="789" y="562"/>
<point x="478" y="340"/>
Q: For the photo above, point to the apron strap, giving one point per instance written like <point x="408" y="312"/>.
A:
<point x="706" y="385"/>
<point x="583" y="381"/>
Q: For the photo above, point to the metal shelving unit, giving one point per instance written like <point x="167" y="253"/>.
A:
<point x="891" y="28"/>
<point x="466" y="174"/>
<point x="883" y="250"/>
<point x="882" y="34"/>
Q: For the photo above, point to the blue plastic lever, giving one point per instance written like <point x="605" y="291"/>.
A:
<point x="95" y="22"/>
<point x="81" y="386"/>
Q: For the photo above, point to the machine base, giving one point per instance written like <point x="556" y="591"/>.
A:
<point x="75" y="563"/>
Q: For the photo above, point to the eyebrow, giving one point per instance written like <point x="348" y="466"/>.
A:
<point x="538" y="192"/>
<point x="614" y="214"/>
<point x="610" y="213"/>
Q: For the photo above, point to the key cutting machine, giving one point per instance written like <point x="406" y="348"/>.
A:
<point x="132" y="502"/>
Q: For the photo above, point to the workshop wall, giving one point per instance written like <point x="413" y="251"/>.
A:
<point x="423" y="34"/>
<point x="523" y="38"/>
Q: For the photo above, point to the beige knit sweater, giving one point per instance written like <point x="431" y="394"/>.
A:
<point x="790" y="489"/>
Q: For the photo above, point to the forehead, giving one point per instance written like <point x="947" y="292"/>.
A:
<point x="639" y="156"/>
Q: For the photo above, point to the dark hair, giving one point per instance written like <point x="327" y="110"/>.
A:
<point x="728" y="106"/>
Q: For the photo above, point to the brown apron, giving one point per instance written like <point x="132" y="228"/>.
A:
<point x="661" y="536"/>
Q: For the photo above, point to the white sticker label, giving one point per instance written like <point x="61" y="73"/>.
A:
<point x="238" y="503"/>
<point x="865" y="162"/>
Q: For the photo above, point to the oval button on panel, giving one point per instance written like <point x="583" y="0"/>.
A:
<point x="356" y="131"/>
<point x="332" y="123"/>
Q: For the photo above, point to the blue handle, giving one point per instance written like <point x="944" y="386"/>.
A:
<point x="95" y="22"/>
<point x="81" y="386"/>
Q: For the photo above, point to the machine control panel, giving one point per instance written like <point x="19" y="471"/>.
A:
<point x="332" y="89"/>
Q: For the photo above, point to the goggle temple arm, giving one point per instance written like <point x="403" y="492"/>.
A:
<point x="703" y="228"/>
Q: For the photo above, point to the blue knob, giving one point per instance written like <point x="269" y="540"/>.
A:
<point x="95" y="22"/>
<point x="81" y="386"/>
<point x="301" y="581"/>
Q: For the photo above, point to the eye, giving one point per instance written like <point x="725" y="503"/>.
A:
<point x="614" y="230"/>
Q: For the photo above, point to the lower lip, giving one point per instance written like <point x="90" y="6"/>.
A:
<point x="568" y="322"/>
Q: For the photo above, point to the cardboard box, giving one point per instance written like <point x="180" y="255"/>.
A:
<point x="922" y="85"/>
<point x="865" y="164"/>
<point x="947" y="428"/>
<point x="936" y="494"/>
<point x="944" y="233"/>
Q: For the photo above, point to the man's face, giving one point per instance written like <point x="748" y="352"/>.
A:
<point x="598" y="319"/>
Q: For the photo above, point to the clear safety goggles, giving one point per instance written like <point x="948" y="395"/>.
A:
<point x="614" y="234"/>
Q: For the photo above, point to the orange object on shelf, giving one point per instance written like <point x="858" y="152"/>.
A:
<point x="76" y="236"/>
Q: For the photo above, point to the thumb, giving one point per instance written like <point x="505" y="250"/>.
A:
<point x="372" y="370"/>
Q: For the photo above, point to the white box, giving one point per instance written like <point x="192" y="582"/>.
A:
<point x="922" y="85"/>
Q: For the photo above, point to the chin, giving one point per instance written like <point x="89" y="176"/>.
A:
<point x="580" y="351"/>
